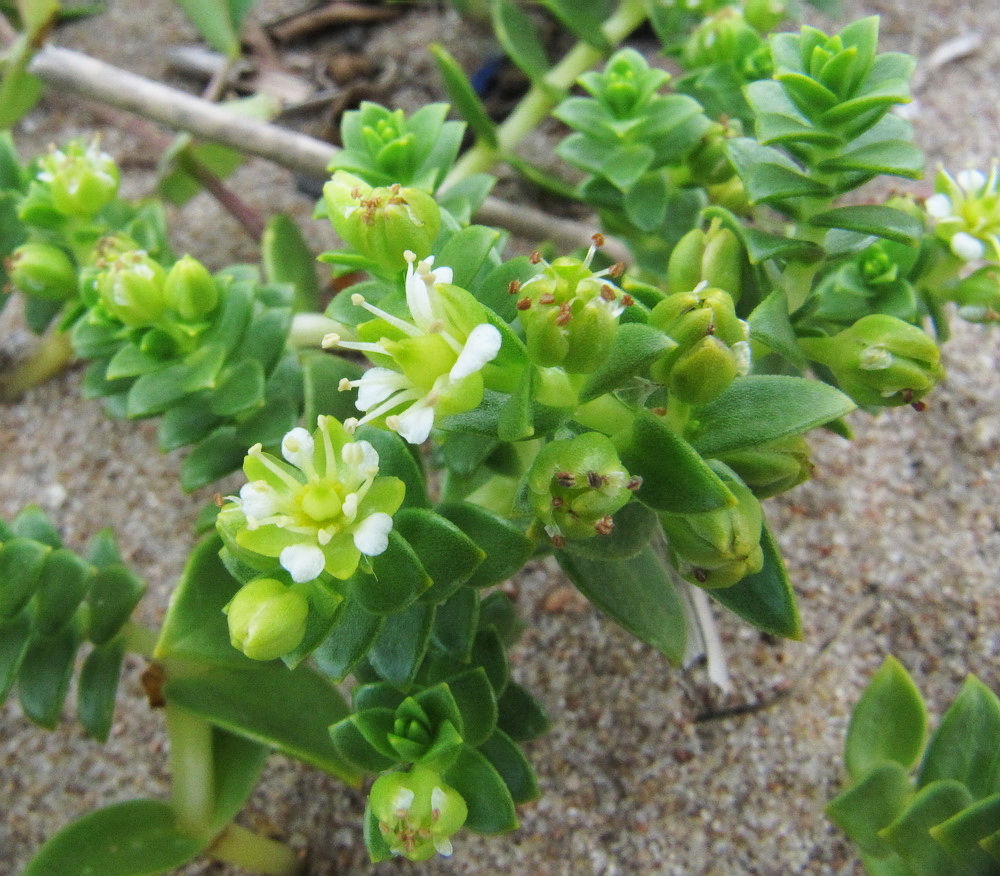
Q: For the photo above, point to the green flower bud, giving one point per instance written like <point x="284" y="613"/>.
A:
<point x="189" y="290"/>
<point x="723" y="38"/>
<point x="42" y="270"/>
<point x="880" y="360"/>
<point x="416" y="736"/>
<point x="712" y="344"/>
<point x="718" y="548"/>
<point x="417" y="813"/>
<point x="382" y="223"/>
<point x="266" y="619"/>
<point x="978" y="296"/>
<point x="765" y="15"/>
<point x="131" y="289"/>
<point x="626" y="85"/>
<point x="722" y="261"/>
<point x="81" y="178"/>
<point x="570" y="314"/>
<point x="684" y="264"/>
<point x="772" y="468"/>
<point x="709" y="163"/>
<point x="575" y="485"/>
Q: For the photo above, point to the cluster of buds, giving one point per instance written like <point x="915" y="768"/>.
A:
<point x="965" y="210"/>
<point x="570" y="313"/>
<point x="773" y="467"/>
<point x="575" y="486"/>
<point x="712" y="347"/>
<point x="426" y="367"/>
<point x="416" y="812"/>
<point x="136" y="290"/>
<point x="381" y="223"/>
<point x="267" y="618"/>
<point x="880" y="360"/>
<point x="728" y="37"/>
<point x="316" y="511"/>
<point x="715" y="549"/>
<point x="80" y="178"/>
<point x="627" y="86"/>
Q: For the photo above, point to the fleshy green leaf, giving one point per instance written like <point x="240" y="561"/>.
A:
<point x="455" y="623"/>
<point x="637" y="593"/>
<point x="882" y="221"/>
<point x="44" y="678"/>
<point x="21" y="563"/>
<point x="634" y="525"/>
<point x="491" y="807"/>
<point x="14" y="636"/>
<point x="401" y="644"/>
<point x="770" y="324"/>
<point x="520" y="715"/>
<point x="764" y="599"/>
<point x="878" y="798"/>
<point x="760" y="408"/>
<point x="517" y="34"/>
<point x="909" y="835"/>
<point x="97" y="686"/>
<point x="352" y="634"/>
<point x="961" y="835"/>
<point x="287" y="709"/>
<point x="135" y="838"/>
<point x="634" y="348"/>
<point x="505" y="546"/>
<point x="396" y="580"/>
<point x="447" y="554"/>
<point x="463" y="95"/>
<point x="288" y="258"/>
<point x="114" y="593"/>
<point x="889" y="723"/>
<point x="508" y="760"/>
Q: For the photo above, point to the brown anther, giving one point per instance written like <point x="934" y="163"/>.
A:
<point x="547" y="298"/>
<point x="711" y="329"/>
<point x="605" y="525"/>
<point x="356" y="192"/>
<point x="565" y="479"/>
<point x="906" y="395"/>
<point x="616" y="270"/>
<point x="152" y="684"/>
<point x="523" y="304"/>
<point x="919" y="406"/>
<point x="627" y="300"/>
<point x="634" y="483"/>
<point x="660" y="412"/>
<point x="559" y="541"/>
<point x="217" y="500"/>
<point x="700" y="575"/>
<point x="607" y="293"/>
<point x="596" y="479"/>
<point x="558" y="501"/>
<point x="565" y="314"/>
<point x="535" y="257"/>
<point x="597" y="238"/>
<point x="395" y="188"/>
<point x="513" y="287"/>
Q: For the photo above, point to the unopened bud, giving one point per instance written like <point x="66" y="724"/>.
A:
<point x="42" y="270"/>
<point x="190" y="290"/>
<point x="81" y="178"/>
<point x="131" y="288"/>
<point x="266" y="619"/>
<point x="772" y="468"/>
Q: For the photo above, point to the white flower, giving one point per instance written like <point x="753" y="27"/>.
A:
<point x="938" y="206"/>
<point x="967" y="247"/>
<point x="409" y="407"/>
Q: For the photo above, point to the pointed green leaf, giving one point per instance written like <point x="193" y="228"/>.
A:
<point x="516" y="32"/>
<point x="396" y="653"/>
<point x="135" y="838"/>
<point x="634" y="526"/>
<point x="491" y="807"/>
<point x="509" y="761"/>
<point x="761" y="408"/>
<point x="520" y="715"/>
<point x="352" y="634"/>
<point x="214" y="457"/>
<point x="97" y="686"/>
<point x="44" y="678"/>
<point x="288" y="258"/>
<point x="506" y="547"/>
<point x="882" y="221"/>
<point x="114" y="593"/>
<point x="236" y="765"/>
<point x="634" y="348"/>
<point x="455" y="623"/>
<point x="895" y="157"/>
<point x="637" y="593"/>
<point x="463" y="95"/>
<point x="909" y="835"/>
<point x="889" y="723"/>
<point x="770" y="325"/>
<point x="765" y="599"/>
<point x="477" y="704"/>
<point x="962" y="834"/>
<point x="32" y="522"/>
<point x="15" y="633"/>
<point x="878" y="798"/>
<point x="397" y="578"/>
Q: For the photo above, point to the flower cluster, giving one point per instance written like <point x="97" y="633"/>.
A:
<point x="316" y="511"/>
<point x="428" y="366"/>
<point x="965" y="210"/>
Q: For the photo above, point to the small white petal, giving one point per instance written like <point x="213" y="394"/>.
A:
<point x="414" y="424"/>
<point x="481" y="347"/>
<point x="876" y="358"/>
<point x="304" y="562"/>
<point x="376" y="385"/>
<point x="297" y="448"/>
<point x="369" y="459"/>
<point x="438" y="799"/>
<point x="372" y="536"/>
<point x="258" y="499"/>
<point x="967" y="247"/>
<point x="742" y="355"/>
<point x="972" y="181"/>
<point x="443" y="846"/>
<point x="402" y="802"/>
<point x="938" y="206"/>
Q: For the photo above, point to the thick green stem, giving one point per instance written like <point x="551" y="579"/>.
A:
<point x="255" y="853"/>
<point x="544" y="95"/>
<point x="191" y="769"/>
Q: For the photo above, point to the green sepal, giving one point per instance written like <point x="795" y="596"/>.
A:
<point x="889" y="722"/>
<point x="509" y="761"/>
<point x="45" y="673"/>
<point x="114" y="593"/>
<point x="909" y="834"/>
<point x="62" y="585"/>
<point x="287" y="709"/>
<point x="770" y="325"/>
<point x="964" y="745"/>
<point x="520" y="715"/>
<point x="634" y="348"/>
<point x="134" y="838"/>
<point x="877" y="799"/>
<point x="634" y="526"/>
<point x="21" y="563"/>
<point x="765" y="598"/>
<point x="491" y="807"/>
<point x="97" y="686"/>
<point x="675" y="478"/>
<point x="506" y="548"/>
<point x="401" y="644"/>
<point x="353" y="631"/>
<point x="378" y="848"/>
<point x="882" y="221"/>
<point x="638" y="594"/>
<point x="760" y="408"/>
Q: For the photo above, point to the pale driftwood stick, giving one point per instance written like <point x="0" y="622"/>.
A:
<point x="80" y="74"/>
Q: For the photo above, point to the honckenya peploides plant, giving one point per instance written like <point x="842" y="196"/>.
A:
<point x="454" y="412"/>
